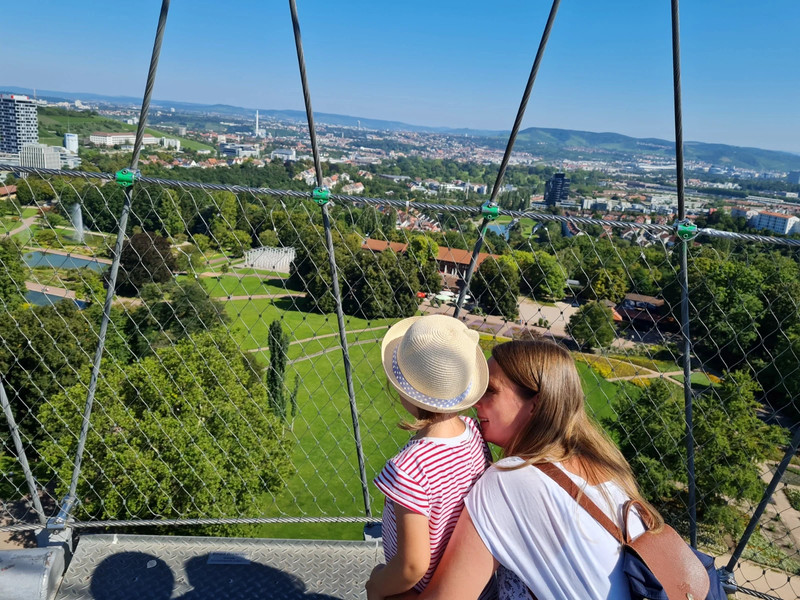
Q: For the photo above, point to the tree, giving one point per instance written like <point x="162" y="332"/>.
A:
<point x="184" y="433"/>
<point x="541" y="274"/>
<point x="12" y="275"/>
<point x="170" y="213"/>
<point x="171" y="312"/>
<point x="423" y="252"/>
<point x="43" y="349"/>
<point x="731" y="442"/>
<point x="279" y="400"/>
<point x="605" y="283"/>
<point x="269" y="238"/>
<point x="495" y="286"/>
<point x="725" y="308"/>
<point x="145" y="258"/>
<point x="649" y="428"/>
<point x="592" y="326"/>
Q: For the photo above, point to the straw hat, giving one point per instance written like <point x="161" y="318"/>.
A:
<point x="435" y="362"/>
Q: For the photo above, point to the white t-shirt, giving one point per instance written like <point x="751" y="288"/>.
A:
<point x="533" y="527"/>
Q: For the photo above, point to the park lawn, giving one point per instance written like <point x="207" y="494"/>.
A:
<point x="698" y="379"/>
<point x="251" y="271"/>
<point x="662" y="366"/>
<point x="324" y="437"/>
<point x="29" y="211"/>
<point x="231" y="285"/>
<point x="24" y="237"/>
<point x="8" y="224"/>
<point x="327" y="481"/>
<point x="600" y="394"/>
<point x="526" y="224"/>
<point x="250" y="321"/>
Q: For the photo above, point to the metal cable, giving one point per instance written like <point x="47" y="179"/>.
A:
<point x="348" y="370"/>
<point x="684" y="278"/>
<point x="191" y="185"/>
<point x="123" y="221"/>
<point x="756" y="594"/>
<point x="507" y="155"/>
<point x="21" y="456"/>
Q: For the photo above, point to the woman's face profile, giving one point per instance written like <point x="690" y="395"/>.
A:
<point x="503" y="410"/>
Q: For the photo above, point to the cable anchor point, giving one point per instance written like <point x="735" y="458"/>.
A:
<point x="686" y="230"/>
<point x="490" y="210"/>
<point x="126" y="177"/>
<point x="321" y="195"/>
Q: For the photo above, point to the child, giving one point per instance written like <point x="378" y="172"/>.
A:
<point x="438" y="369"/>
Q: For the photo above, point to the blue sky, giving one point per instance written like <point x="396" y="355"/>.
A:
<point x="608" y="65"/>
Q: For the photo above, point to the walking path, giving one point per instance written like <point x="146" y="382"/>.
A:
<point x="332" y="349"/>
<point x="26" y="223"/>
<point x="260" y="297"/>
<point x="648" y="374"/>
<point x="50" y="291"/>
<point x="324" y="335"/>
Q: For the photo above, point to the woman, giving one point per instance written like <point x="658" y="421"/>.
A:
<point x="519" y="518"/>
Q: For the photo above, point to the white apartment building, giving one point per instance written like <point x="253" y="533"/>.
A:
<point x="171" y="143"/>
<point x="777" y="222"/>
<point x="40" y="156"/>
<point x="18" y="122"/>
<point x="101" y="138"/>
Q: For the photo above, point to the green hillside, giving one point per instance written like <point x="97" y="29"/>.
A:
<point x="608" y="146"/>
<point x="55" y="122"/>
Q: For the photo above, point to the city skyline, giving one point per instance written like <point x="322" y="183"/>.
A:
<point x="607" y="67"/>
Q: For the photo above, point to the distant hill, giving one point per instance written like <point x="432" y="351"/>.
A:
<point x="540" y="141"/>
<point x="551" y="143"/>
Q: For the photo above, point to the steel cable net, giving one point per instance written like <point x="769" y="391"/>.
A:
<point x="222" y="392"/>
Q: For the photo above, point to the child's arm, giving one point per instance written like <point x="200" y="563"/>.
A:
<point x="410" y="563"/>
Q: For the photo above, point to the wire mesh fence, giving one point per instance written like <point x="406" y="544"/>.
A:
<point x="222" y="396"/>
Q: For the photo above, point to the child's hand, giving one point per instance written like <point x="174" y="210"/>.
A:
<point x="372" y="594"/>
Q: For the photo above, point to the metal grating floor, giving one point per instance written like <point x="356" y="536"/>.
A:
<point x="122" y="567"/>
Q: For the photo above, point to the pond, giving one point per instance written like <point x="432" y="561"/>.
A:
<point x="43" y="299"/>
<point x="501" y="230"/>
<point x="60" y="261"/>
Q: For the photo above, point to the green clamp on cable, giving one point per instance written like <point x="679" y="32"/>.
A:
<point x="686" y="230"/>
<point x="321" y="195"/>
<point x="490" y="211"/>
<point x="126" y="177"/>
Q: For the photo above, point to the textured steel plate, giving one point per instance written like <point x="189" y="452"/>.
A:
<point x="122" y="567"/>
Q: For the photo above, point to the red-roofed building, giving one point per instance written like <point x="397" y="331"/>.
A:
<point x="452" y="262"/>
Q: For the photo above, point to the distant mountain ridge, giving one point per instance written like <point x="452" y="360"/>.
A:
<point x="548" y="143"/>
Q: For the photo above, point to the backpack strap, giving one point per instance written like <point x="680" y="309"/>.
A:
<point x="562" y="479"/>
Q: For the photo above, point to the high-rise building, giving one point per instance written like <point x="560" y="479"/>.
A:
<point x="18" y="122"/>
<point x="40" y="156"/>
<point x="556" y="190"/>
<point x="71" y="142"/>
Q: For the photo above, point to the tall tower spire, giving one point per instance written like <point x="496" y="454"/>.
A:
<point x="256" y="122"/>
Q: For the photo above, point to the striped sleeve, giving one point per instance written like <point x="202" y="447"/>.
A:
<point x="403" y="488"/>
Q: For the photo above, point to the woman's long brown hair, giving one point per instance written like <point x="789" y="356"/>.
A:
<point x="559" y="427"/>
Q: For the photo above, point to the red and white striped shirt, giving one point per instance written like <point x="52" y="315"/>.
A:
<point x="431" y="476"/>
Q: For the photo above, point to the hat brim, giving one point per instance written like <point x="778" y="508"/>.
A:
<point x="393" y="338"/>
